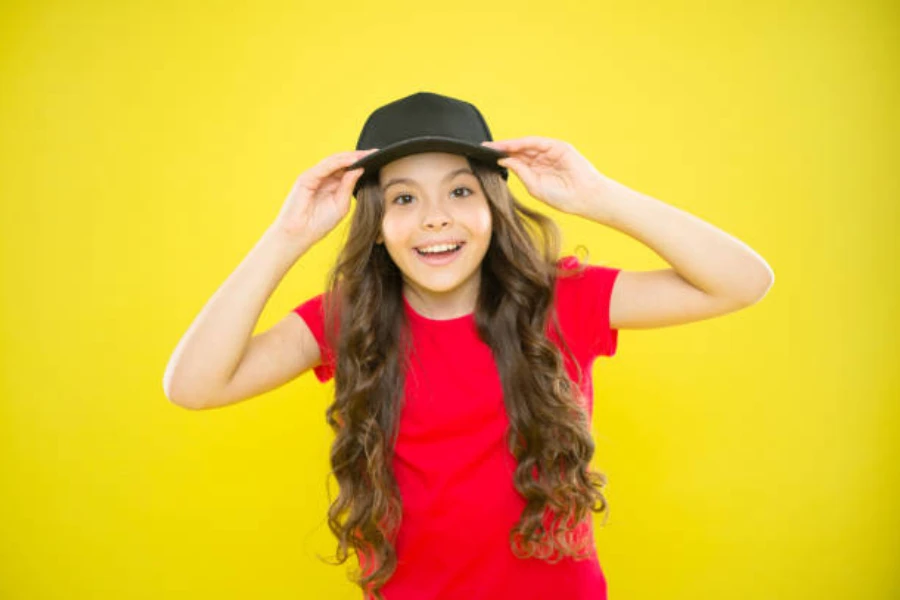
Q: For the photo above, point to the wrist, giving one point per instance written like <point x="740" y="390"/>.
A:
<point x="604" y="199"/>
<point x="293" y="245"/>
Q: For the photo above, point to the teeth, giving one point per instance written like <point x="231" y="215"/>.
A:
<point x="439" y="248"/>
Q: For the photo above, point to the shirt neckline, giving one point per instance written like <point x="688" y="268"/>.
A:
<point x="415" y="316"/>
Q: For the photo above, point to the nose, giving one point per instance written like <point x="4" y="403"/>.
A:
<point x="436" y="218"/>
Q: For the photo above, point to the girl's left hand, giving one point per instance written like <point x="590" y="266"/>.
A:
<point x="553" y="171"/>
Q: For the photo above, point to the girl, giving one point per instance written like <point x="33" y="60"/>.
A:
<point x="461" y="346"/>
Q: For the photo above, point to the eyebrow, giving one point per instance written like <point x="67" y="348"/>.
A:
<point x="447" y="177"/>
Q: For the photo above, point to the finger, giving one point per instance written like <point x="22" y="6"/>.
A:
<point x="519" y="148"/>
<point x="349" y="179"/>
<point x="332" y="163"/>
<point x="347" y="182"/>
<point x="362" y="154"/>
<point x="521" y="171"/>
<point x="494" y="146"/>
<point x="501" y="145"/>
<point x="538" y="142"/>
<point x="522" y="144"/>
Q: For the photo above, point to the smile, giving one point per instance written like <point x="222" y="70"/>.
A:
<point x="439" y="254"/>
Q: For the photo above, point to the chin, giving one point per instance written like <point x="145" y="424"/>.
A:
<point x="438" y="279"/>
<point x="437" y="283"/>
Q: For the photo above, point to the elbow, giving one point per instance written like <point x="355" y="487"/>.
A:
<point x="768" y="282"/>
<point x="180" y="400"/>
<point x="186" y="405"/>
<point x="762" y="284"/>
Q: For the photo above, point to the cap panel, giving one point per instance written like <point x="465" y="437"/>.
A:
<point x="424" y="122"/>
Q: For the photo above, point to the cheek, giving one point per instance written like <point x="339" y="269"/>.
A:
<point x="481" y="222"/>
<point x="393" y="230"/>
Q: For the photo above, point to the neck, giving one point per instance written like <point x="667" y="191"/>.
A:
<point x="441" y="306"/>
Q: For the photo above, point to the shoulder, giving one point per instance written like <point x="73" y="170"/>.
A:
<point x="313" y="313"/>
<point x="574" y="276"/>
<point x="582" y="299"/>
<point x="314" y="310"/>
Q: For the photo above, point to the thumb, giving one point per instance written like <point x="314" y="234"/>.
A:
<point x="348" y="180"/>
<point x="521" y="171"/>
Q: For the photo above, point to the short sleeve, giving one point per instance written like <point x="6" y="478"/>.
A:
<point x="583" y="304"/>
<point x="312" y="312"/>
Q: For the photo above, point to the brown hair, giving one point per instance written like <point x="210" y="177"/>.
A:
<point x="549" y="432"/>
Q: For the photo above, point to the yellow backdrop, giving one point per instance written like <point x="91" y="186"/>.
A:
<point x="147" y="145"/>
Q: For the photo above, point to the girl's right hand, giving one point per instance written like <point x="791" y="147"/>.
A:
<point x="320" y="197"/>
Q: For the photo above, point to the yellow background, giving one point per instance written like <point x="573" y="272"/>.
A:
<point x="146" y="146"/>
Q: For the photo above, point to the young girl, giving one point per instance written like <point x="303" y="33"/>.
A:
<point x="461" y="346"/>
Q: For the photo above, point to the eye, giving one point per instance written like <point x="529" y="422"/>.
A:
<point x="400" y="199"/>
<point x="397" y="200"/>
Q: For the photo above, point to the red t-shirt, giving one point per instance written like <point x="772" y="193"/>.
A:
<point x="452" y="465"/>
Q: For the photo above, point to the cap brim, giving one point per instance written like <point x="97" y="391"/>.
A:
<point x="374" y="161"/>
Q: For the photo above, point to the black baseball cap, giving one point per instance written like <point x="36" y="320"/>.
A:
<point x="424" y="122"/>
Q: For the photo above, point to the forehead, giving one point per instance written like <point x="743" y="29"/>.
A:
<point x="424" y="166"/>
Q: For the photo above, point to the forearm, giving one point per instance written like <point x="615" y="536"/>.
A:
<point x="703" y="255"/>
<point x="210" y="351"/>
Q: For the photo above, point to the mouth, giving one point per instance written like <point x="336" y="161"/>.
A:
<point x="439" y="254"/>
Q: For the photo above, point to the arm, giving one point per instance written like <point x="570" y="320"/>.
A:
<point x="712" y="272"/>
<point x="216" y="362"/>
<point x="209" y="354"/>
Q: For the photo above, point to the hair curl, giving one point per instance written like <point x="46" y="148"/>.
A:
<point x="549" y="433"/>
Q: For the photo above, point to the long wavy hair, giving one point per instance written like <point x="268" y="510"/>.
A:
<point x="549" y="427"/>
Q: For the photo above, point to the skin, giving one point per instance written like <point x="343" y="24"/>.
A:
<point x="427" y="209"/>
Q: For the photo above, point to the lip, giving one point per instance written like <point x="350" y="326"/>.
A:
<point x="439" y="242"/>
<point x="437" y="261"/>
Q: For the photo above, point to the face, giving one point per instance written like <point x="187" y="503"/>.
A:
<point x="437" y="223"/>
